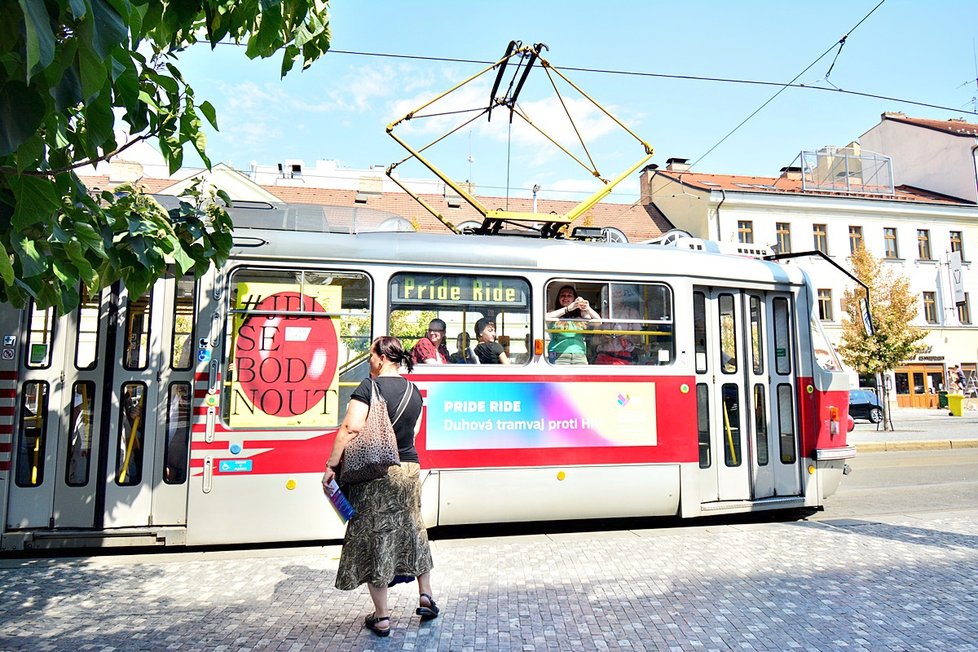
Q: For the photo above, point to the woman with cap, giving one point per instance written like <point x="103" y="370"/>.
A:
<point x="488" y="350"/>
<point x="571" y="315"/>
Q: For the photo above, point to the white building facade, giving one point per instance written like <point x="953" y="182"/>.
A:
<point x="912" y="230"/>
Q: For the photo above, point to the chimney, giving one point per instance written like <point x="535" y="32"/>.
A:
<point x="644" y="181"/>
<point x="677" y="164"/>
<point x="793" y="173"/>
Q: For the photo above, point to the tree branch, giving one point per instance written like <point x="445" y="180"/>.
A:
<point x="79" y="164"/>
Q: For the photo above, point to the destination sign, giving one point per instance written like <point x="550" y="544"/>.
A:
<point x="456" y="289"/>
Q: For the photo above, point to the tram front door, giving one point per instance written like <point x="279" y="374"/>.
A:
<point x="102" y="420"/>
<point x="743" y="357"/>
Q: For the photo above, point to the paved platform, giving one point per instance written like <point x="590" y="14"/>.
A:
<point x="896" y="583"/>
<point x="917" y="429"/>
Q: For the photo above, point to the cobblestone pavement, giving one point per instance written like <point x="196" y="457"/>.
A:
<point x="897" y="583"/>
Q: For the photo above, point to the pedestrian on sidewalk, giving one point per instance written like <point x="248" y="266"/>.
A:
<point x="386" y="541"/>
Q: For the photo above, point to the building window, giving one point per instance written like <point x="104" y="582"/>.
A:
<point x="930" y="307"/>
<point x="745" y="231"/>
<point x="957" y="244"/>
<point x="890" y="243"/>
<point x="819" y="232"/>
<point x="964" y="310"/>
<point x="923" y="244"/>
<point x="825" y="304"/>
<point x="855" y="238"/>
<point x="784" y="237"/>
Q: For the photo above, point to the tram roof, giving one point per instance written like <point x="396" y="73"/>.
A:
<point x="504" y="253"/>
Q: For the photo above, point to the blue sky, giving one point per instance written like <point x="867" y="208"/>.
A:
<point x="339" y="108"/>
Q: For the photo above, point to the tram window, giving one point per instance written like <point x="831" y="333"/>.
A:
<point x="728" y="334"/>
<point x="176" y="447"/>
<point x="138" y="319"/>
<point x="31" y="438"/>
<point x="129" y="448"/>
<point x="730" y="395"/>
<point x="297" y="345"/>
<point x="782" y="336"/>
<point x="40" y="335"/>
<point x="635" y="325"/>
<point x="756" y="335"/>
<point x="461" y="300"/>
<point x="786" y="424"/>
<point x="703" y="424"/>
<point x="86" y="340"/>
<point x="760" y="425"/>
<point x="699" y="331"/>
<point x="79" y="453"/>
<point x="184" y="311"/>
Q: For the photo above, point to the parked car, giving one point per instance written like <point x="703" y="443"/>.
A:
<point x="865" y="404"/>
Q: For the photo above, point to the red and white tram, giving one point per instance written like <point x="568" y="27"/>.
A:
<point x="202" y="413"/>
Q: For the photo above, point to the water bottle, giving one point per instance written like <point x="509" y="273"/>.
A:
<point x="342" y="506"/>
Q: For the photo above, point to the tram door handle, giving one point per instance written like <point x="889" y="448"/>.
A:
<point x="213" y="377"/>
<point x="211" y="421"/>
<point x="208" y="474"/>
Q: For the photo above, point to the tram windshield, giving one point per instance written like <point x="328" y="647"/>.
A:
<point x="825" y="354"/>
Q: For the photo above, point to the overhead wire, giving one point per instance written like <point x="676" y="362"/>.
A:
<point x="788" y="85"/>
<point x="658" y="75"/>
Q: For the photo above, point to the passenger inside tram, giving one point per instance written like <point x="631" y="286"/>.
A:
<point x="567" y="322"/>
<point x="620" y="344"/>
<point x="488" y="350"/>
<point x="463" y="351"/>
<point x="431" y="348"/>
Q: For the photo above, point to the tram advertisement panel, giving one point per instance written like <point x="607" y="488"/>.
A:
<point x="285" y="364"/>
<point x="540" y="415"/>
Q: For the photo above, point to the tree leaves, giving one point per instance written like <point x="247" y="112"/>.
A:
<point x="38" y="37"/>
<point x="21" y="113"/>
<point x="894" y="308"/>
<point x="72" y="69"/>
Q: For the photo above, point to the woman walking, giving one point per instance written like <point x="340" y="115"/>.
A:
<point x="386" y="539"/>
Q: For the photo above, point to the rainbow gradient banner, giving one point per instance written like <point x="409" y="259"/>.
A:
<point x="481" y="415"/>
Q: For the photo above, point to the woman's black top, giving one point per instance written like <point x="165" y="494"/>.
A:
<point x="392" y="388"/>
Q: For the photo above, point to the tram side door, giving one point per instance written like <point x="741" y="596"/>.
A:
<point x="176" y="380"/>
<point x="133" y="425"/>
<point x="58" y="417"/>
<point x="722" y="405"/>
<point x="775" y="463"/>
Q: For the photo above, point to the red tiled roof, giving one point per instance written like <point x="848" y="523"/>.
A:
<point x="784" y="185"/>
<point x="953" y="127"/>
<point x="638" y="222"/>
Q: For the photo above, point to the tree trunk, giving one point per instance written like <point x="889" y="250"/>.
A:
<point x="885" y="394"/>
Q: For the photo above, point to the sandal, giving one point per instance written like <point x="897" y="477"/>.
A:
<point x="431" y="611"/>
<point x="370" y="622"/>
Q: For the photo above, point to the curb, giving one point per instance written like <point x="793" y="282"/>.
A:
<point x="930" y="444"/>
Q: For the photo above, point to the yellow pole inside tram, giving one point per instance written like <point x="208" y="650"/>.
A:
<point x="129" y="446"/>
<point x="730" y="443"/>
<point x="36" y="461"/>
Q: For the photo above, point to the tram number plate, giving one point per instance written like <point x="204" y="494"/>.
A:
<point x="234" y="466"/>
